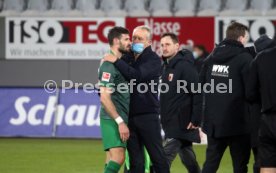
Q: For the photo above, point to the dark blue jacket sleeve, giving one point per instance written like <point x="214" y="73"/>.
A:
<point x="147" y="70"/>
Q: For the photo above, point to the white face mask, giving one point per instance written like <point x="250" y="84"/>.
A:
<point x="195" y="54"/>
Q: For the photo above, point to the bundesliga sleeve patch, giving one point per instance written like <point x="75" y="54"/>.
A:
<point x="106" y="76"/>
<point x="170" y="77"/>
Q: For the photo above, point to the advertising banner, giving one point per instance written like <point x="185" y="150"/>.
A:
<point x="31" y="112"/>
<point x="78" y="114"/>
<point x="190" y="30"/>
<point x="58" y="38"/>
<point x="26" y="112"/>
<point x="86" y="38"/>
<point x="36" y="113"/>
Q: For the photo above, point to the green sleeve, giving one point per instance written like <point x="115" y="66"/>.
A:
<point x="107" y="73"/>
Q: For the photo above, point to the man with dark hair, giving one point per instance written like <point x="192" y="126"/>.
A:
<point x="226" y="115"/>
<point x="235" y="30"/>
<point x="261" y="89"/>
<point x="145" y="131"/>
<point x="179" y="110"/>
<point x="115" y="104"/>
<point x="264" y="43"/>
<point x="172" y="36"/>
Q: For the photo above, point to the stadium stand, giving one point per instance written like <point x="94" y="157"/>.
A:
<point x="113" y="8"/>
<point x="209" y="7"/>
<point x="136" y="8"/>
<point x="12" y="7"/>
<point x="89" y="8"/>
<point x="62" y="5"/>
<point x="36" y="8"/>
<point x="1" y="5"/>
<point x="160" y="8"/>
<point x="259" y="8"/>
<point x="61" y="8"/>
<point x="184" y="8"/>
<point x="272" y="11"/>
<point x="234" y="8"/>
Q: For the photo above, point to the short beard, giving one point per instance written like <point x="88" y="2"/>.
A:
<point x="123" y="51"/>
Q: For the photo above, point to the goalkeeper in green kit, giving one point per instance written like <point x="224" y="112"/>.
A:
<point x="114" y="102"/>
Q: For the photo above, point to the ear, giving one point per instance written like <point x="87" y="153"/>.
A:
<point x="177" y="46"/>
<point x="240" y="39"/>
<point x="150" y="42"/>
<point x="116" y="41"/>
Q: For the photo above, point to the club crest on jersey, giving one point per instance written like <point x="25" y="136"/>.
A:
<point x="106" y="76"/>
<point x="170" y="78"/>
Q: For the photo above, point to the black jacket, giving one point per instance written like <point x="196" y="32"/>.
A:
<point x="226" y="114"/>
<point x="200" y="60"/>
<point x="262" y="43"/>
<point x="144" y="70"/>
<point x="178" y="109"/>
<point x="262" y="80"/>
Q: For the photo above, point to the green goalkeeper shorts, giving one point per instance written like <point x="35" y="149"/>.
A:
<point x="110" y="134"/>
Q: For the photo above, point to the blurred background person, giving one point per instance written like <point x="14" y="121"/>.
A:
<point x="261" y="86"/>
<point x="263" y="43"/>
<point x="200" y="53"/>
